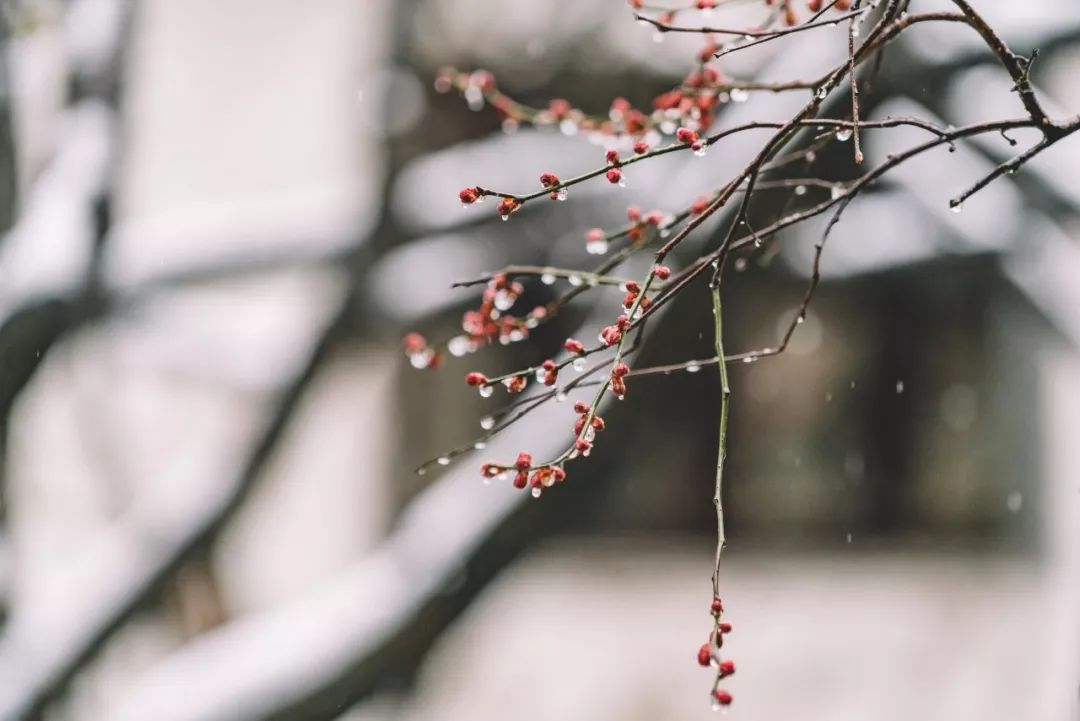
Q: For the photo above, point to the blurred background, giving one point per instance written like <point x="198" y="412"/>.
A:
<point x="220" y="217"/>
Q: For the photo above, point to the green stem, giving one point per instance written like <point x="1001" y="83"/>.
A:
<point x="721" y="455"/>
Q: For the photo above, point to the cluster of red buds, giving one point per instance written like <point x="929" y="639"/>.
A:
<point x="709" y="655"/>
<point x="615" y="174"/>
<point x="550" y="180"/>
<point x="633" y="291"/>
<point x="419" y="353"/>
<point x="690" y="137"/>
<point x="541" y="477"/>
<point x="490" y="322"/>
<point x="642" y="224"/>
<point x="618" y="379"/>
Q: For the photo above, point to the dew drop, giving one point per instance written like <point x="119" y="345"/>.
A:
<point x="956" y="207"/>
<point x="422" y="359"/>
<point x="575" y="280"/>
<point x="801" y="319"/>
<point x="443" y="461"/>
<point x="596" y="247"/>
<point x="843" y="134"/>
<point x="738" y="95"/>
<point x="821" y="93"/>
<point x="421" y="471"/>
<point x="560" y="397"/>
<point x="692" y="367"/>
<point x="536" y="492"/>
<point x="899" y="387"/>
<point x="800" y="190"/>
<point x="547" y="279"/>
<point x="578" y="364"/>
<point x="740" y="264"/>
<point x="479" y="446"/>
<point x="701" y="151"/>
<point x="487" y="422"/>
<point x="504" y="216"/>
<point x="836" y="191"/>
<point x="749" y="359"/>
<point x="459" y="345"/>
<point x="1014" y="502"/>
<point x="563" y="194"/>
<point x="622" y="180"/>
<point x="848" y="539"/>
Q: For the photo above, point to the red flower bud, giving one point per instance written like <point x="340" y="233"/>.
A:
<point x="686" y="135"/>
<point x="724" y="627"/>
<point x="722" y="697"/>
<point x="641" y="147"/>
<point x="726" y="668"/>
<point x="476" y="379"/>
<point x="581" y="445"/>
<point x="632" y="286"/>
<point x="623" y="323"/>
<point x="620" y="370"/>
<point x="612" y="157"/>
<point x="633" y="213"/>
<point x="549" y="179"/>
<point x="580" y="407"/>
<point x="558" y="474"/>
<point x="662" y="272"/>
<point x="704" y="655"/>
<point x="574" y="346"/>
<point x="598" y="423"/>
<point x="521" y="479"/>
<point x="717" y="607"/>
<point x="468" y="196"/>
<point x="508" y="206"/>
<point x="614" y="176"/>
<point x="490" y="470"/>
<point x="414" y="343"/>
<point x="524" y="460"/>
